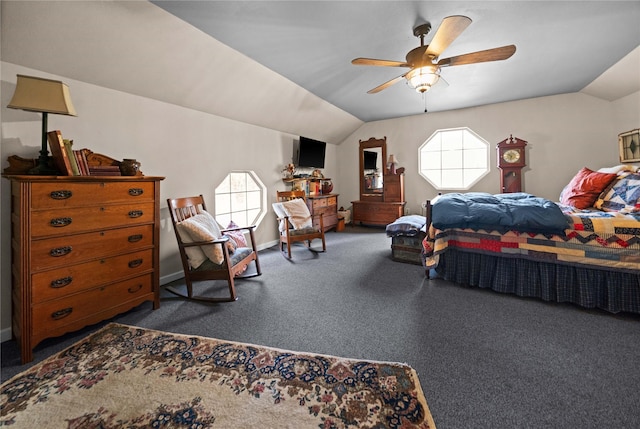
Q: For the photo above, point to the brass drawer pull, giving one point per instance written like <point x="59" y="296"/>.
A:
<point x="134" y="238"/>
<point x="60" y="251"/>
<point x="135" y="213"/>
<point x="61" y="195"/>
<point x="135" y="289"/>
<point x="135" y="263"/>
<point x="134" y="192"/>
<point x="60" y="222"/>
<point x="57" y="315"/>
<point x="56" y="284"/>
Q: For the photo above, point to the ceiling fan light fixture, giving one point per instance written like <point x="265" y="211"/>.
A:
<point x="423" y="78"/>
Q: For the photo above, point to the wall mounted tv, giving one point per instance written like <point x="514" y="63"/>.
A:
<point x="370" y="160"/>
<point x="311" y="153"/>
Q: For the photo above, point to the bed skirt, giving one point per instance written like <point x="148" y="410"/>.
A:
<point x="590" y="288"/>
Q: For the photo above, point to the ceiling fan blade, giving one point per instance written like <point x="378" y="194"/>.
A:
<point x="495" y="54"/>
<point x="449" y="30"/>
<point x="374" y="62"/>
<point x="386" y="84"/>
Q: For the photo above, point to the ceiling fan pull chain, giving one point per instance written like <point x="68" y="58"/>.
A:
<point x="424" y="97"/>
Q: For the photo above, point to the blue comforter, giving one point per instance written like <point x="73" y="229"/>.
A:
<point x="501" y="212"/>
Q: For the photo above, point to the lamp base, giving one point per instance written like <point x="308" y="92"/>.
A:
<point x="43" y="169"/>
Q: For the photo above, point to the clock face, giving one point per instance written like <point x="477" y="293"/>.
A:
<point x="511" y="156"/>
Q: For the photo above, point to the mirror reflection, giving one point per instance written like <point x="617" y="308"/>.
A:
<point x="372" y="166"/>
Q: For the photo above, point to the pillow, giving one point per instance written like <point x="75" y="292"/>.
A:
<point x="203" y="227"/>
<point x="617" y="169"/>
<point x="585" y="187"/>
<point x="195" y="255"/>
<point x="298" y="213"/>
<point x="280" y="213"/>
<point x="622" y="195"/>
<point x="231" y="244"/>
<point x="236" y="236"/>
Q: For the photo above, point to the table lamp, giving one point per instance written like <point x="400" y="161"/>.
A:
<point x="392" y="164"/>
<point x="36" y="94"/>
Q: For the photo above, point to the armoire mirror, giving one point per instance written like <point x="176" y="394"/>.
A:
<point x="373" y="160"/>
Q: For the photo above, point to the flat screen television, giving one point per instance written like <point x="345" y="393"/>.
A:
<point x="311" y="153"/>
<point x="370" y="160"/>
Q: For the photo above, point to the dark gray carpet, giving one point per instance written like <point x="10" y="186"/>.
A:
<point x="485" y="360"/>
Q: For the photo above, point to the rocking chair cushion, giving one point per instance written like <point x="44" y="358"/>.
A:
<point x="203" y="227"/>
<point x="298" y="213"/>
<point x="239" y="255"/>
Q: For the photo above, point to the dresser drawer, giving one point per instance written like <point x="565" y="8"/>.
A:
<point x="49" y="223"/>
<point x="72" y="249"/>
<point x="377" y="213"/>
<point x="57" y="283"/>
<point x="52" y="315"/>
<point x="50" y="195"/>
<point x="319" y="203"/>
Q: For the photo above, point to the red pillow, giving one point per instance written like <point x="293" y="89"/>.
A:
<point x="585" y="187"/>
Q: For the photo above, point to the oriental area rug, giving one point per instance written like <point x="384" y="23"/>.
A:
<point x="127" y="377"/>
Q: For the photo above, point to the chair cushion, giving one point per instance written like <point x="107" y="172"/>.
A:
<point x="239" y="255"/>
<point x="203" y="227"/>
<point x="304" y="231"/>
<point x="298" y="213"/>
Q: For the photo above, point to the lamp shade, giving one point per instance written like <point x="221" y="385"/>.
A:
<point x="423" y="78"/>
<point x="392" y="159"/>
<point x="36" y="94"/>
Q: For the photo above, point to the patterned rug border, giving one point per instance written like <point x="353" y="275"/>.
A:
<point x="405" y="406"/>
<point x="202" y="337"/>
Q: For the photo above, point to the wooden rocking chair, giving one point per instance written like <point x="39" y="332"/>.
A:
<point x="233" y="264"/>
<point x="288" y="231"/>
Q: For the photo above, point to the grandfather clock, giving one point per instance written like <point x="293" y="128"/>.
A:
<point x="511" y="160"/>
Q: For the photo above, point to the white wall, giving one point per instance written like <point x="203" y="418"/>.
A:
<point x="564" y="133"/>
<point x="192" y="149"/>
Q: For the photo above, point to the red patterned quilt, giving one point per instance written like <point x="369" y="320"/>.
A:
<point x="596" y="239"/>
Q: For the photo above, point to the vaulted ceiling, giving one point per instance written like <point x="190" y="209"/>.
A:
<point x="562" y="46"/>
<point x="286" y="65"/>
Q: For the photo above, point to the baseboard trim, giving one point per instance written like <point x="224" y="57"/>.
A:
<point x="5" y="334"/>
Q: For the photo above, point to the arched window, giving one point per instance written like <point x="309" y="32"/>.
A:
<point x="241" y="198"/>
<point x="453" y="159"/>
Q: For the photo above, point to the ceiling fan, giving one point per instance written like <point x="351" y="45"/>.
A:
<point x="425" y="62"/>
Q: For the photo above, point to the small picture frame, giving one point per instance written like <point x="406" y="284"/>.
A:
<point x="629" y="146"/>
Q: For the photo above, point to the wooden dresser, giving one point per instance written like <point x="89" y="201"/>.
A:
<point x="380" y="203"/>
<point x="84" y="249"/>
<point x="385" y="208"/>
<point x="328" y="206"/>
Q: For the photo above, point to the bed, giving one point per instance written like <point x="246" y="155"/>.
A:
<point x="583" y="249"/>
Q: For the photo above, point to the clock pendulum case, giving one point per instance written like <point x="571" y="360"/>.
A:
<point x="511" y="161"/>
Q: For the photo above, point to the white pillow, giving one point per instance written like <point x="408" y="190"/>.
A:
<point x="280" y="213"/>
<point x="298" y="213"/>
<point x="203" y="227"/>
<point x="195" y="254"/>
<point x="617" y="169"/>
